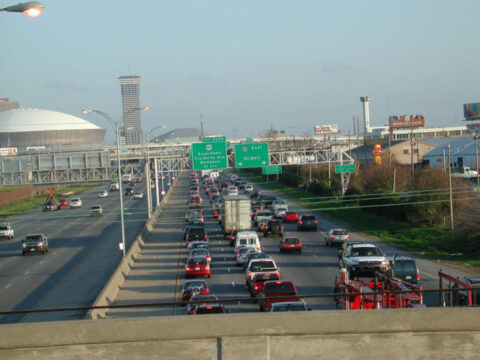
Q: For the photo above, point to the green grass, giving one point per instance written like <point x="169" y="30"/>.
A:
<point x="37" y="201"/>
<point x="431" y="243"/>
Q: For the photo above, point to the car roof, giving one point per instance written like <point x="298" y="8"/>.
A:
<point x="246" y="233"/>
<point x="364" y="245"/>
<point x="35" y="234"/>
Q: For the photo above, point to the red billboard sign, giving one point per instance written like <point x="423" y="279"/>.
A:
<point x="406" y="121"/>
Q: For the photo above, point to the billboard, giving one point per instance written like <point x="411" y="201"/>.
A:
<point x="406" y="121"/>
<point x="12" y="151"/>
<point x="326" y="129"/>
<point x="471" y="111"/>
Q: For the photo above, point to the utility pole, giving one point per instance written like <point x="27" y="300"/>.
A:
<point x="202" y="134"/>
<point x="450" y="189"/>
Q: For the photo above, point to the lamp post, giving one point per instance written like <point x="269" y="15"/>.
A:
<point x="30" y="9"/>
<point x="116" y="128"/>
<point x="147" y="172"/>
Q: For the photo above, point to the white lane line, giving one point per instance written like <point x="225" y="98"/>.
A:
<point x="222" y="249"/>
<point x="429" y="275"/>
<point x="41" y="262"/>
<point x="25" y="273"/>
<point x="228" y="269"/>
<point x="315" y="256"/>
<point x="233" y="283"/>
<point x="239" y="303"/>
<point x="225" y="259"/>
<point x="8" y="285"/>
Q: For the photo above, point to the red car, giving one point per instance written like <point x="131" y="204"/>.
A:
<point x="197" y="266"/>
<point x="259" y="279"/>
<point x="291" y="244"/>
<point x="63" y="203"/>
<point x="194" y="287"/>
<point x="290" y="216"/>
<point x="277" y="288"/>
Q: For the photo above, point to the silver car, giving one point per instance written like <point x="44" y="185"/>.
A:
<point x="336" y="237"/>
<point x="242" y="253"/>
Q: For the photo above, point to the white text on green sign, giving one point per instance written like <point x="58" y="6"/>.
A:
<point x="209" y="156"/>
<point x="214" y="139"/>
<point x="251" y="155"/>
<point x="347" y="168"/>
<point x="271" y="170"/>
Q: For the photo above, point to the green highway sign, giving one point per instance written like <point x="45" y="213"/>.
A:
<point x="190" y="156"/>
<point x="210" y="139"/>
<point x="249" y="140"/>
<point x="271" y="170"/>
<point x="347" y="168"/>
<point x="209" y="156"/>
<point x="124" y="148"/>
<point x="251" y="155"/>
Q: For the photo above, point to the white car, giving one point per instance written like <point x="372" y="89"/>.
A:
<point x="248" y="188"/>
<point x="6" y="231"/>
<point x="363" y="259"/>
<point x="103" y="194"/>
<point x="232" y="191"/>
<point x="138" y="195"/>
<point x="262" y="214"/>
<point x="75" y="203"/>
<point x="96" y="210"/>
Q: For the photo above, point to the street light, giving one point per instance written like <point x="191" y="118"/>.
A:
<point x="31" y="8"/>
<point x="147" y="173"/>
<point x="116" y="128"/>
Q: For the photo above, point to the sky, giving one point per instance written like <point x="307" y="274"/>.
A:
<point x="246" y="66"/>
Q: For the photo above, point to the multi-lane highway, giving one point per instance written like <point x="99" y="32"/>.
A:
<point x="158" y="273"/>
<point x="83" y="252"/>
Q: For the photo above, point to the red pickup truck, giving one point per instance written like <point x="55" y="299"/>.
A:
<point x="277" y="289"/>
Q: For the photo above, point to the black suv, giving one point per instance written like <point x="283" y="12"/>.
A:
<point x="50" y="206"/>
<point x="196" y="233"/>
<point x="273" y="227"/>
<point x="128" y="191"/>
<point x="307" y="222"/>
<point x="34" y="243"/>
<point x="404" y="268"/>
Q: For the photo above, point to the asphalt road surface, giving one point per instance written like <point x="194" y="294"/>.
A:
<point x="158" y="273"/>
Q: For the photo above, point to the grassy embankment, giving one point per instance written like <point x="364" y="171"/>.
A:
<point x="37" y="201"/>
<point x="429" y="242"/>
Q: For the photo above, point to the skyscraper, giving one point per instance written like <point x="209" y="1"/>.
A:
<point x="132" y="125"/>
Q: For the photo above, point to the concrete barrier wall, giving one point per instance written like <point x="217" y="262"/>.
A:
<point x="437" y="333"/>
<point x="111" y="289"/>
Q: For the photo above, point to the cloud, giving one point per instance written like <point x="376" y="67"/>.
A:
<point x="64" y="85"/>
<point x="335" y="67"/>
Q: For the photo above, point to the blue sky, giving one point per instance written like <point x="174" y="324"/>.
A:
<point x="246" y="65"/>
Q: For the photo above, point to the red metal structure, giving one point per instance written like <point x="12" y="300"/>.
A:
<point x="382" y="292"/>
<point x="459" y="289"/>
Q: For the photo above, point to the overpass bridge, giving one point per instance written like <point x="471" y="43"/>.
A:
<point x="101" y="165"/>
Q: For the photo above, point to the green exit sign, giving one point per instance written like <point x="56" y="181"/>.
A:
<point x="271" y="170"/>
<point x="347" y="168"/>
<point x="214" y="139"/>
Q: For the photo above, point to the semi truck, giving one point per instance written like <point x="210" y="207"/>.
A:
<point x="236" y="214"/>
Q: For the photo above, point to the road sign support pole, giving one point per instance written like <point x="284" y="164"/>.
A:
<point x="157" y="195"/>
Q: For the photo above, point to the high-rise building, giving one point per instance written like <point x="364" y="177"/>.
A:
<point x="132" y="125"/>
<point x="6" y="104"/>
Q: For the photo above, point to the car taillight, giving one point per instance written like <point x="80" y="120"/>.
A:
<point x="233" y="237"/>
<point x="300" y="222"/>
<point x="187" y="268"/>
<point x="205" y="237"/>
<point x="256" y="287"/>
<point x="258" y="249"/>
<point x="315" y="222"/>
<point x="418" y="277"/>
<point x="191" y="312"/>
<point x="40" y="244"/>
<point x="239" y="255"/>
<point x="348" y="236"/>
<point x="24" y="245"/>
<point x="278" y="273"/>
<point x="261" y="207"/>
<point x="266" y="227"/>
<point x="205" y="291"/>
<point x="332" y="236"/>
<point x="249" y="274"/>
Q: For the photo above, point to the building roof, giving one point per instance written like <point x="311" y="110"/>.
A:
<point x="458" y="146"/>
<point x="181" y="134"/>
<point x="26" y="120"/>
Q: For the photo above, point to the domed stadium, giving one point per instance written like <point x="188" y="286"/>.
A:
<point x="28" y="129"/>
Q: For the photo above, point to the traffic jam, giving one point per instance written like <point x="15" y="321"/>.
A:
<point x="243" y="218"/>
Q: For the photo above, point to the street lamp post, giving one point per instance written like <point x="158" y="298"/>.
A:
<point x="147" y="172"/>
<point x="116" y="128"/>
<point x="30" y="9"/>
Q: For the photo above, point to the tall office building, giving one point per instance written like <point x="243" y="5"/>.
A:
<point x="132" y="125"/>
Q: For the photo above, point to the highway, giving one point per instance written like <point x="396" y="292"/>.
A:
<point x="83" y="252"/>
<point x="158" y="273"/>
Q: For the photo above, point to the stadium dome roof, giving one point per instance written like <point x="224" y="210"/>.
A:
<point x="25" y="120"/>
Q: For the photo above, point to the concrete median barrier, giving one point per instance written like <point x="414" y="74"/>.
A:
<point x="437" y="333"/>
<point x="111" y="289"/>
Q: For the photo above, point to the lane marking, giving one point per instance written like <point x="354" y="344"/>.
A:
<point x="25" y="273"/>
<point x="41" y="262"/>
<point x="228" y="269"/>
<point x="7" y="286"/>
<point x="233" y="283"/>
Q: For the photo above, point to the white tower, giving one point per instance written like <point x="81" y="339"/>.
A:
<point x="366" y="115"/>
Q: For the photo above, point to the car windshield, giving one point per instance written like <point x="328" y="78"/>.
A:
<point x="366" y="251"/>
<point x="196" y="232"/>
<point x="33" y="238"/>
<point x="260" y="265"/>
<point x="195" y="285"/>
<point x="282" y="287"/>
<point x="210" y="310"/>
<point x="3" y="228"/>
<point x="340" y="232"/>
<point x="95" y="207"/>
<point x="199" y="252"/>
<point x="406" y="266"/>
<point x="200" y="261"/>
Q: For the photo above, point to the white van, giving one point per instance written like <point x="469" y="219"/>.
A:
<point x="247" y="238"/>
<point x="279" y="204"/>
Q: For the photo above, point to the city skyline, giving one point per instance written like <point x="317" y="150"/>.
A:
<point x="247" y="66"/>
